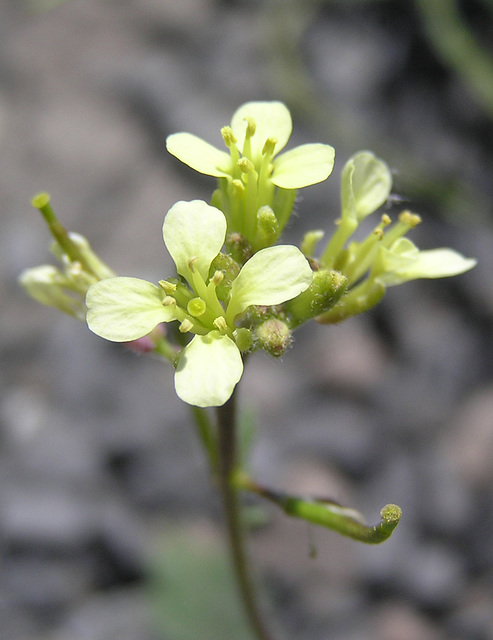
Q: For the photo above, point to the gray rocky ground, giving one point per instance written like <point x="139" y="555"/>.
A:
<point x="100" y="470"/>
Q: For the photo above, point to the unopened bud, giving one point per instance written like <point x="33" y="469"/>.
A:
<point x="273" y="336"/>
<point x="267" y="228"/>
<point x="358" y="300"/>
<point x="243" y="338"/>
<point x="225" y="271"/>
<point x="326" y="289"/>
<point x="239" y="248"/>
<point x="49" y="286"/>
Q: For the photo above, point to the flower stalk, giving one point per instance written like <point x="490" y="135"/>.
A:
<point x="227" y="465"/>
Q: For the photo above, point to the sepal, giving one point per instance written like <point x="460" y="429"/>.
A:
<point x="325" y="291"/>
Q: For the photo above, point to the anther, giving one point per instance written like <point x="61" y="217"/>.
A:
<point x="168" y="301"/>
<point x="410" y="219"/>
<point x="220" y="323"/>
<point x="185" y="326"/>
<point x="167" y="287"/>
<point x="191" y="263"/>
<point x="246" y="165"/>
<point x="217" y="278"/>
<point x="251" y="126"/>
<point x="228" y="136"/>
<point x="269" y="146"/>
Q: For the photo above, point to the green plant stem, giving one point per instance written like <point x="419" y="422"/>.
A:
<point x="227" y="454"/>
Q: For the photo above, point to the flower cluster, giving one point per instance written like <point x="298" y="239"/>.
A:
<point x="208" y="368"/>
<point x="237" y="290"/>
<point x="385" y="257"/>
<point x="257" y="186"/>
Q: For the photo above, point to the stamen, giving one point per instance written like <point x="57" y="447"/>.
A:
<point x="251" y="126"/>
<point x="410" y="219"/>
<point x="185" y="326"/>
<point x="228" y="136"/>
<point x="167" y="287"/>
<point x="220" y="323"/>
<point x="217" y="278"/>
<point x="168" y="301"/>
<point x="246" y="165"/>
<point x="269" y="146"/>
<point x="191" y="263"/>
<point x="238" y="188"/>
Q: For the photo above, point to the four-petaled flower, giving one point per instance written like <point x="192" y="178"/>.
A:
<point x="122" y="309"/>
<point x="253" y="175"/>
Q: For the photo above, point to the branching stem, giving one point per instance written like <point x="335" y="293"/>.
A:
<point x="227" y="435"/>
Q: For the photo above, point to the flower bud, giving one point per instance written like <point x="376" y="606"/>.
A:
<point x="358" y="300"/>
<point x="326" y="289"/>
<point x="273" y="336"/>
<point x="243" y="338"/>
<point x="267" y="228"/>
<point x="49" y="286"/>
<point x="229" y="269"/>
<point x="239" y="248"/>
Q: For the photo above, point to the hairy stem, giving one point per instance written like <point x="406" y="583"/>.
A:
<point x="227" y="435"/>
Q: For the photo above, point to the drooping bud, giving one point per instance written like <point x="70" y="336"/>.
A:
<point x="274" y="336"/>
<point x="325" y="291"/>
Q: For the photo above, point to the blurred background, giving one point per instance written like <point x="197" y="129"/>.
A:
<point x="108" y="526"/>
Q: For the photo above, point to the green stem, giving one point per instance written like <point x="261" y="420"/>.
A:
<point x="326" y="513"/>
<point x="206" y="434"/>
<point x="42" y="202"/>
<point x="227" y="455"/>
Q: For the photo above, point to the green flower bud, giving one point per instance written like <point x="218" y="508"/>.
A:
<point x="358" y="300"/>
<point x="325" y="291"/>
<point x="273" y="336"/>
<point x="229" y="268"/>
<point x="243" y="338"/>
<point x="267" y="228"/>
<point x="239" y="248"/>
